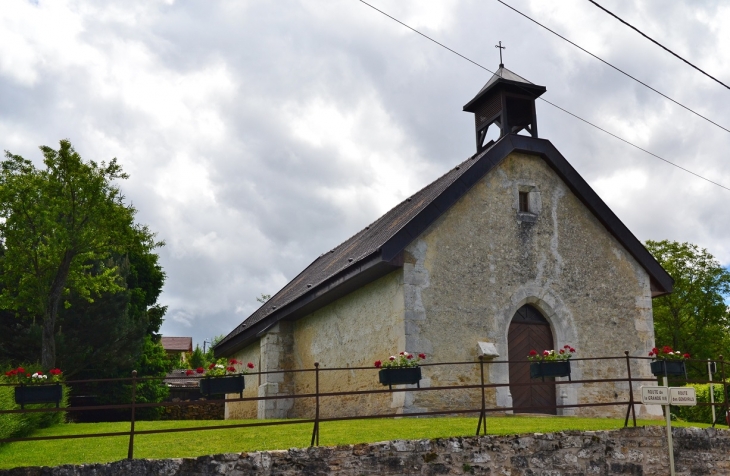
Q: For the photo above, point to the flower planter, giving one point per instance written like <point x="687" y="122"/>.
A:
<point x="400" y="376"/>
<point x="27" y="394"/>
<point x="660" y="368"/>
<point x="223" y="385"/>
<point x="550" y="368"/>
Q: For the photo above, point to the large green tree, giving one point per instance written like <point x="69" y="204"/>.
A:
<point x="62" y="228"/>
<point x="694" y="318"/>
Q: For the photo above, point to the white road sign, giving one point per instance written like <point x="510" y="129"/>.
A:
<point x="655" y="395"/>
<point x="682" y="396"/>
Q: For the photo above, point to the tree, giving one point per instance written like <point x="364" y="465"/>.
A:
<point x="694" y="318"/>
<point x="61" y="228"/>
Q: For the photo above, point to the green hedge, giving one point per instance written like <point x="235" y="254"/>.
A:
<point x="19" y="425"/>
<point x="702" y="413"/>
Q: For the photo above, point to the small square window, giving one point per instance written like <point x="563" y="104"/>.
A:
<point x="524" y="202"/>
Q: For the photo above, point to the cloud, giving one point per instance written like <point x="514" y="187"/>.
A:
<point x="259" y="135"/>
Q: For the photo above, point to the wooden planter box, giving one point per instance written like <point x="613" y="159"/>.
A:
<point x="27" y="394"/>
<point x="553" y="368"/>
<point x="404" y="376"/>
<point x="660" y="368"/>
<point x="222" y="385"/>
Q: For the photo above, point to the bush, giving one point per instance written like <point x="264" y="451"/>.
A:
<point x="702" y="413"/>
<point x="19" y="425"/>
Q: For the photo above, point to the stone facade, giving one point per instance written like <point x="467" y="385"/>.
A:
<point x="461" y="282"/>
<point x="632" y="451"/>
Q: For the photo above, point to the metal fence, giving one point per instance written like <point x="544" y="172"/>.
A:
<point x="628" y="400"/>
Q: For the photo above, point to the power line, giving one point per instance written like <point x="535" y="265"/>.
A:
<point x="658" y="44"/>
<point x="615" y="67"/>
<point x="545" y="100"/>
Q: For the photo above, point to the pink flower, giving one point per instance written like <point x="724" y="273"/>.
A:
<point x="378" y="364"/>
<point x="249" y="365"/>
<point x="545" y="353"/>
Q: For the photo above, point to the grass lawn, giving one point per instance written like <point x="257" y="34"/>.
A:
<point x="186" y="444"/>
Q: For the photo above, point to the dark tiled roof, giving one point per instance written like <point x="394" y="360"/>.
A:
<point x="398" y="227"/>
<point x="355" y="249"/>
<point x="180" y="344"/>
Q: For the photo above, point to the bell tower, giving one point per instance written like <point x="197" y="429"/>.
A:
<point x="507" y="101"/>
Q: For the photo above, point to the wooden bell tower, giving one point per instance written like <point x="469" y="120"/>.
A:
<point x="507" y="101"/>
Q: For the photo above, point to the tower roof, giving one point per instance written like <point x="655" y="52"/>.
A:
<point x="509" y="80"/>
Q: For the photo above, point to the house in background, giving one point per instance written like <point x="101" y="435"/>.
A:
<point x="181" y="347"/>
<point x="510" y="250"/>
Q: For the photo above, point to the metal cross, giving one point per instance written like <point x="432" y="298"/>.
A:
<point x="500" y="52"/>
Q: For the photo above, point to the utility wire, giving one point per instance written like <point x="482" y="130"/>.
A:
<point x="614" y="67"/>
<point x="658" y="44"/>
<point x="548" y="102"/>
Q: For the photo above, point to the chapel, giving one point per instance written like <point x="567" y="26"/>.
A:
<point x="510" y="250"/>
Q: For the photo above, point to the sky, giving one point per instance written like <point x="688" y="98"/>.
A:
<point x="259" y="135"/>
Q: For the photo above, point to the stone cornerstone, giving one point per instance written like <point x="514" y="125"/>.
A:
<point x="631" y="451"/>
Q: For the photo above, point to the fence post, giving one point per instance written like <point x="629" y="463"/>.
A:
<point x="483" y="413"/>
<point x="724" y="388"/>
<point x="631" y="408"/>
<point x="315" y="430"/>
<point x="130" y="453"/>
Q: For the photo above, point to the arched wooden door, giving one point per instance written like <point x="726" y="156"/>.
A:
<point x="529" y="330"/>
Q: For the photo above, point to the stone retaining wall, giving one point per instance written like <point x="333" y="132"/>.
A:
<point x="206" y="410"/>
<point x="633" y="451"/>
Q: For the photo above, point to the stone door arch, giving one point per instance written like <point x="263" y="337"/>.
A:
<point x="529" y="330"/>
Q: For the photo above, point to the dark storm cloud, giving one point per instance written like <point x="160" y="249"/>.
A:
<point x="262" y="134"/>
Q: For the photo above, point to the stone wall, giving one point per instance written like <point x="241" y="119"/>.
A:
<point x="466" y="276"/>
<point x="633" y="451"/>
<point x="205" y="410"/>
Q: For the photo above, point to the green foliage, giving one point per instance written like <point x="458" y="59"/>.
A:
<point x="61" y="227"/>
<point x="154" y="362"/>
<point x="701" y="413"/>
<point x="19" y="425"/>
<point x="694" y="318"/>
<point x="197" y="358"/>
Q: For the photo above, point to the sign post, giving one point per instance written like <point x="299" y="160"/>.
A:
<point x="667" y="396"/>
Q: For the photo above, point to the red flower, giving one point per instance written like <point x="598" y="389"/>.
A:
<point x="654" y="351"/>
<point x="249" y="365"/>
<point x="20" y="370"/>
<point x="545" y="353"/>
<point x="189" y="372"/>
<point x="562" y="351"/>
<point x="378" y="364"/>
<point x="55" y="372"/>
<point x="211" y="366"/>
<point x="651" y="353"/>
<point x="409" y="356"/>
<point x="421" y="356"/>
<point x="200" y="370"/>
<point x="27" y="375"/>
<point x="40" y="373"/>
<point x="666" y="349"/>
<point x="686" y="356"/>
<point x="391" y="358"/>
<point x="402" y="353"/>
<point x="231" y="369"/>
<point x="233" y="362"/>
<point x="572" y="350"/>
<point x="566" y="346"/>
<point x="533" y="353"/>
